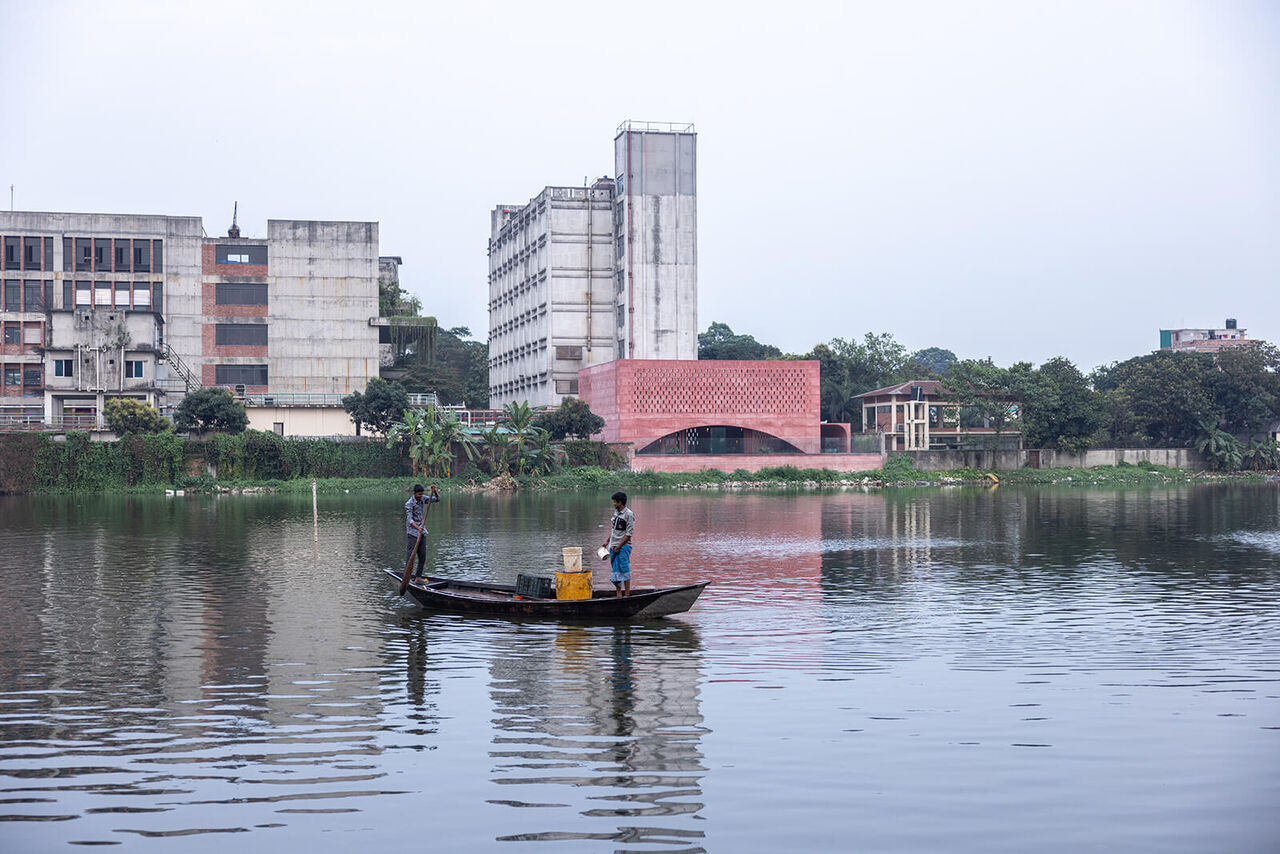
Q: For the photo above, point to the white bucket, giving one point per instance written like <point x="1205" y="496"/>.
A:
<point x="572" y="559"/>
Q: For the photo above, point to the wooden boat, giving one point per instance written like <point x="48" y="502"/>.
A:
<point x="468" y="597"/>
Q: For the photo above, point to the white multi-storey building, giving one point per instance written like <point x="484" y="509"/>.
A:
<point x="584" y="275"/>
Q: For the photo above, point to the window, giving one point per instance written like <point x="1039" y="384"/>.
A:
<point x="122" y="295"/>
<point x="12" y="375"/>
<point x="141" y="295"/>
<point x="68" y="254"/>
<point x="240" y="375"/>
<point x="227" y="253"/>
<point x="12" y="248"/>
<point x="32" y="334"/>
<point x="31" y="376"/>
<point x="142" y="256"/>
<point x="48" y="254"/>
<point x="83" y="294"/>
<point x="12" y="333"/>
<point x="158" y="289"/>
<point x="566" y="386"/>
<point x="133" y="369"/>
<point x="102" y="254"/>
<point x="570" y="354"/>
<point x="84" y="254"/>
<point x="12" y="295"/>
<point x="68" y="294"/>
<point x="157" y="256"/>
<point x="62" y="367"/>
<point x="32" y="296"/>
<point x="240" y="293"/>
<point x="122" y="256"/>
<point x="278" y="427"/>
<point x="240" y="334"/>
<point x="102" y="293"/>
<point x="32" y="253"/>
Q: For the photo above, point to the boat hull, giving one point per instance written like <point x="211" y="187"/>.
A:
<point x="466" y="597"/>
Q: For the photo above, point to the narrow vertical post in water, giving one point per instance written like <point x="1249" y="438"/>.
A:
<point x="315" y="513"/>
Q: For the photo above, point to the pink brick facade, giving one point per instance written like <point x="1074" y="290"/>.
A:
<point x="643" y="400"/>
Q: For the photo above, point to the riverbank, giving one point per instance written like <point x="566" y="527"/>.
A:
<point x="37" y="464"/>
<point x="598" y="479"/>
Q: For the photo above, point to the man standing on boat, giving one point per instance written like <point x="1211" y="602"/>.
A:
<point x="415" y="529"/>
<point x="621" y="527"/>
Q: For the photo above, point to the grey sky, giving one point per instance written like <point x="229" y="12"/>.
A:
<point x="1012" y="179"/>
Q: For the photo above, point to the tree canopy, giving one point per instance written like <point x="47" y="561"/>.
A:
<point x="210" y="409"/>
<point x="720" y="342"/>
<point x="379" y="406"/>
<point x="127" y="415"/>
<point x="573" y="418"/>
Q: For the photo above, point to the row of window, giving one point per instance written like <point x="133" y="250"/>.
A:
<point x="141" y="295"/>
<point x="240" y="375"/>
<point x="26" y="295"/>
<point x="86" y="254"/>
<point x="17" y="333"/>
<point x="28" y="253"/>
<point x="23" y="375"/>
<point x="133" y="368"/>
<point x="228" y="253"/>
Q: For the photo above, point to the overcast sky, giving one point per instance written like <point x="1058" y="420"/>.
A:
<point x="1009" y="179"/>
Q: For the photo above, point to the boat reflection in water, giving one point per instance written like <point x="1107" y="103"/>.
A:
<point x="604" y="721"/>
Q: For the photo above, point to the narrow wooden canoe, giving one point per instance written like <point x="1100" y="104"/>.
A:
<point x="468" y="597"/>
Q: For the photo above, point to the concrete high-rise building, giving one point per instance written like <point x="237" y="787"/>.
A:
<point x="579" y="276"/>
<point x="657" y="240"/>
<point x="106" y="305"/>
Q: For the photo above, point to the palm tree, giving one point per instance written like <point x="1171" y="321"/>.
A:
<point x="518" y="416"/>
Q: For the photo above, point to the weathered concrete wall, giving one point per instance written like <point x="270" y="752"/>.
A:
<point x="1183" y="458"/>
<point x="754" y="462"/>
<point x="658" y="175"/>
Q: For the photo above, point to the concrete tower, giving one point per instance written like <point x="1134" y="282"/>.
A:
<point x="656" y="241"/>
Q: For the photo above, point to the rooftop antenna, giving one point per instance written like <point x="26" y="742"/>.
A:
<point x="10" y="198"/>
<point x="234" y="230"/>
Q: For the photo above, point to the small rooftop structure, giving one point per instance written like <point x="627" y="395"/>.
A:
<point x="1204" y="340"/>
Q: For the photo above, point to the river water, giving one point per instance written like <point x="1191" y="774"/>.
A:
<point x="960" y="670"/>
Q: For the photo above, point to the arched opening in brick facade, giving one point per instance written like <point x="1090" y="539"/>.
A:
<point x="719" y="439"/>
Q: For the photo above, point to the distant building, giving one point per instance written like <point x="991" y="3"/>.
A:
<point x="1204" y="340"/>
<point x="919" y="415"/>
<point x="89" y="299"/>
<point x="579" y="276"/>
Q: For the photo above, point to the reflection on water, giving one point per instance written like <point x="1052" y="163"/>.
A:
<point x="585" y="713"/>
<point x="962" y="670"/>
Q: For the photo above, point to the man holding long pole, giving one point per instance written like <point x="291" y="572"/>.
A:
<point x="415" y="529"/>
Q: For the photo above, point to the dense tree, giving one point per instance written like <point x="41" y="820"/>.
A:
<point x="1059" y="410"/>
<point x="719" y="342"/>
<point x="1247" y="391"/>
<point x="573" y="418"/>
<point x="931" y="363"/>
<point x="127" y="415"/>
<point x="379" y="406"/>
<point x="996" y="394"/>
<point x="850" y="368"/>
<point x="459" y="372"/>
<point x="1158" y="399"/>
<point x="210" y="409"/>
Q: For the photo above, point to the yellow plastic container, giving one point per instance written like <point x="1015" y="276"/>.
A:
<point x="572" y="559"/>
<point x="573" y="585"/>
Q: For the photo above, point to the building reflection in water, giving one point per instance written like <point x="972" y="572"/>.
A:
<point x="609" y="711"/>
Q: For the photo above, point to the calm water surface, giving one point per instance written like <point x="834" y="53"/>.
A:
<point x="960" y="670"/>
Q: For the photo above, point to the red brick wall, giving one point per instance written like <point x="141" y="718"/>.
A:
<point x="209" y="305"/>
<point x="210" y="347"/>
<point x="210" y="266"/>
<point x="644" y="399"/>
